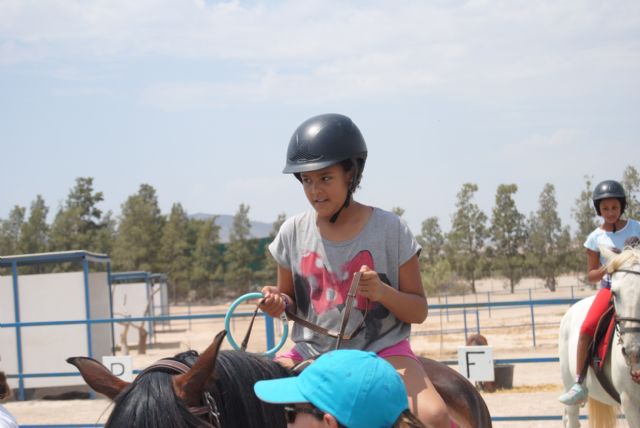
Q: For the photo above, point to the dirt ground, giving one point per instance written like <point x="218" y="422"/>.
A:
<point x="535" y="385"/>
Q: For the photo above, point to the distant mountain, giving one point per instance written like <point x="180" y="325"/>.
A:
<point x="225" y="221"/>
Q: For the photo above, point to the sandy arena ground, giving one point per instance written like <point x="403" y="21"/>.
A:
<point x="535" y="385"/>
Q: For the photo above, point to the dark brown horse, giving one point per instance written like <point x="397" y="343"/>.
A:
<point x="186" y="394"/>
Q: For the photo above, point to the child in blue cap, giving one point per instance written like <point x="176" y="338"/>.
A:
<point x="343" y="388"/>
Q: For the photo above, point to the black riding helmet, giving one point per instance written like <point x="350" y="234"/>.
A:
<point x="609" y="189"/>
<point x="323" y="141"/>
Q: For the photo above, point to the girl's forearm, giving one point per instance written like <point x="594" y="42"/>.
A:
<point x="407" y="307"/>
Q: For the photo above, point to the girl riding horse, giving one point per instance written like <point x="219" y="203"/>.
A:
<point x="319" y="252"/>
<point x="609" y="200"/>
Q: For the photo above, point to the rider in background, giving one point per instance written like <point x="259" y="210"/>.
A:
<point x="609" y="200"/>
<point x="319" y="251"/>
<point x="343" y="388"/>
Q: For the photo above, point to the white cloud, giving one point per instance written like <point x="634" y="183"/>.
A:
<point x="334" y="50"/>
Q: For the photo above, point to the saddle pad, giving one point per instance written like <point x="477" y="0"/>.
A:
<point x="604" y="336"/>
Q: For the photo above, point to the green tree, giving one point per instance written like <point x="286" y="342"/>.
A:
<point x="174" y="250"/>
<point x="239" y="255"/>
<point x="439" y="278"/>
<point x="584" y="214"/>
<point x="431" y="240"/>
<point x="208" y="268"/>
<point x="269" y="272"/>
<point x="139" y="233"/>
<point x="34" y="234"/>
<point x="78" y="224"/>
<point x="548" y="241"/>
<point x="631" y="183"/>
<point x="508" y="233"/>
<point x="465" y="241"/>
<point x="10" y="231"/>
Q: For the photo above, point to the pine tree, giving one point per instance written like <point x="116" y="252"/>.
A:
<point x="435" y="269"/>
<point x="240" y="255"/>
<point x="78" y="224"/>
<point x="548" y="241"/>
<point x="34" y="234"/>
<point x="465" y="241"/>
<point x="431" y="240"/>
<point x="208" y="268"/>
<point x="509" y="234"/>
<point x="584" y="214"/>
<point x="10" y="231"/>
<point x="174" y="250"/>
<point x="139" y="233"/>
<point x="268" y="275"/>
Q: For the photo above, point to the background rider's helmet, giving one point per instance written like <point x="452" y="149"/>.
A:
<point x="326" y="140"/>
<point x="606" y="190"/>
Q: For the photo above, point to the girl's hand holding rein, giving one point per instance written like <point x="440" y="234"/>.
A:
<point x="273" y="302"/>
<point x="371" y="286"/>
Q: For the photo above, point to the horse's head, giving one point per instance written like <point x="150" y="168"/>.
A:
<point x="163" y="381"/>
<point x="625" y="287"/>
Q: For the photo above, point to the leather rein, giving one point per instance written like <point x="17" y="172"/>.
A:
<point x="339" y="335"/>
<point x="210" y="408"/>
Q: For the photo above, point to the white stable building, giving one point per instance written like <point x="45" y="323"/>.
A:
<point x="46" y="318"/>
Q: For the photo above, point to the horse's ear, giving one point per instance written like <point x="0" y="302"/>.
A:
<point x="189" y="386"/>
<point x="607" y="252"/>
<point x="98" y="377"/>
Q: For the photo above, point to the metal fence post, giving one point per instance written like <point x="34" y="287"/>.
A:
<point x="446" y="302"/>
<point x="533" y="321"/>
<point x="464" y="312"/>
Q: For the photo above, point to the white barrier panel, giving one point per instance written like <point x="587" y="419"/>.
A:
<point x="50" y="298"/>
<point x="161" y="301"/>
<point x="120" y="366"/>
<point x="476" y="363"/>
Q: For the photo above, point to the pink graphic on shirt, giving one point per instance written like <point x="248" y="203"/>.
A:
<point x="329" y="289"/>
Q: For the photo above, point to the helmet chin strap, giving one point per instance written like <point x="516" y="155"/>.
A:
<point x="350" y="191"/>
<point x="334" y="217"/>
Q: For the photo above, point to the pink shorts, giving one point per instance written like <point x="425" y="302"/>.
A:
<point x="400" y="349"/>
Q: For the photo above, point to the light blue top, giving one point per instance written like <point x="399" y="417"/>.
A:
<point x="611" y="239"/>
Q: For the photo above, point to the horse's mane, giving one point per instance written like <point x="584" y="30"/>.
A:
<point x="628" y="255"/>
<point x="150" y="401"/>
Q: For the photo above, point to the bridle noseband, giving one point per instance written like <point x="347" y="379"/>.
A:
<point x="209" y="407"/>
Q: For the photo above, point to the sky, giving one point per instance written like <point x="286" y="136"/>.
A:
<point x="200" y="98"/>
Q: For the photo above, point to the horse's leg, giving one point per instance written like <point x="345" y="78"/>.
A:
<point x="464" y="402"/>
<point x="631" y="410"/>
<point x="571" y="417"/>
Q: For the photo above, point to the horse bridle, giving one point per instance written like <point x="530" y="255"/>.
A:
<point x="621" y="329"/>
<point x="209" y="408"/>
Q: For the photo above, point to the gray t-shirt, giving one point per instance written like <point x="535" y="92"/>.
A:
<point x="322" y="273"/>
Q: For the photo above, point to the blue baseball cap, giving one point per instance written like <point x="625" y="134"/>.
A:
<point x="360" y="389"/>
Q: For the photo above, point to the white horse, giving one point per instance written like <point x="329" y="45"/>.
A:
<point x="623" y="366"/>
